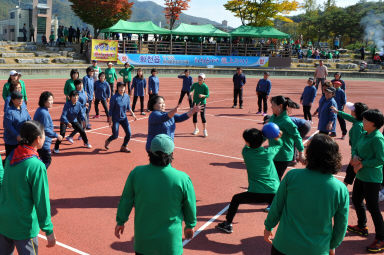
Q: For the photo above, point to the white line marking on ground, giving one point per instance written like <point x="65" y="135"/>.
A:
<point x="206" y="225"/>
<point x="65" y="246"/>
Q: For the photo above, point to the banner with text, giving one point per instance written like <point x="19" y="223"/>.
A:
<point x="190" y="60"/>
<point x="104" y="50"/>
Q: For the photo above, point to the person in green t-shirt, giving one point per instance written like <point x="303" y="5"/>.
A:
<point x="24" y="195"/>
<point x="96" y="70"/>
<point x="110" y="76"/>
<point x="163" y="198"/>
<point x="367" y="161"/>
<point x="311" y="205"/>
<point x="70" y="83"/>
<point x="14" y="78"/>
<point x="127" y="76"/>
<point x="200" y="92"/>
<point x="263" y="180"/>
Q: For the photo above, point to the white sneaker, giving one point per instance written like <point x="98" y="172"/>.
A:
<point x="87" y="145"/>
<point x="381" y="195"/>
<point x="69" y="139"/>
<point x="205" y="133"/>
<point x="196" y="131"/>
<point x="56" y="151"/>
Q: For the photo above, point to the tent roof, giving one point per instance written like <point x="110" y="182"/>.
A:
<point x="144" y="27"/>
<point x="198" y="30"/>
<point x="260" y="32"/>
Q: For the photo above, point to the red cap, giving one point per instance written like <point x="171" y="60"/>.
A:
<point x="337" y="83"/>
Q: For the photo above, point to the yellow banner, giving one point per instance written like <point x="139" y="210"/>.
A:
<point x="104" y="50"/>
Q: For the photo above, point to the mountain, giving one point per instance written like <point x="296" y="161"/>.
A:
<point x="141" y="11"/>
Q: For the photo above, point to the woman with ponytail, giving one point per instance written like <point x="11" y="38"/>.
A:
<point x="291" y="136"/>
<point x="24" y="196"/>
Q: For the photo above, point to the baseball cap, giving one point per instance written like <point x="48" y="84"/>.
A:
<point x="350" y="106"/>
<point x="94" y="60"/>
<point x="13" y="72"/>
<point x="337" y="83"/>
<point x="202" y="75"/>
<point x="266" y="119"/>
<point x="331" y="89"/>
<point x="110" y="63"/>
<point x="163" y="143"/>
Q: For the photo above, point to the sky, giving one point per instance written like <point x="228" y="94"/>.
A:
<point x="206" y="9"/>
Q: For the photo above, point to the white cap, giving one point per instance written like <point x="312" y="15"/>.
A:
<point x="202" y="75"/>
<point x="350" y="106"/>
<point x="110" y="63"/>
<point x="12" y="73"/>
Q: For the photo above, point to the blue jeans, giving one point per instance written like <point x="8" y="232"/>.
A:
<point x="24" y="247"/>
<point x="115" y="131"/>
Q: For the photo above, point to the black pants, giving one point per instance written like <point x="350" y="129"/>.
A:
<point x="111" y="85"/>
<point x="139" y="253"/>
<point x="45" y="156"/>
<point x="202" y="114"/>
<point x="104" y="103"/>
<point x="349" y="174"/>
<point x="141" y="103"/>
<point x="150" y="97"/>
<point x="343" y="125"/>
<point x="370" y="192"/>
<point x="246" y="198"/>
<point x="281" y="166"/>
<point x="307" y="112"/>
<point x="9" y="148"/>
<point x="322" y="81"/>
<point x="323" y="132"/>
<point x="238" y="93"/>
<point x="262" y="99"/>
<point x="76" y="126"/>
<point x="274" y="251"/>
<point x="127" y="87"/>
<point x="182" y="94"/>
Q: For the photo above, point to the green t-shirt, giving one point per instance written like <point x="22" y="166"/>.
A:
<point x="291" y="137"/>
<point x="356" y="130"/>
<point x="126" y="73"/>
<point x="84" y="39"/>
<point x="163" y="197"/>
<point x="200" y="89"/>
<point x="305" y="206"/>
<point x="110" y="75"/>
<point x="370" y="148"/>
<point x="262" y="174"/>
<point x="6" y="92"/>
<point x="24" y="200"/>
<point x="69" y="87"/>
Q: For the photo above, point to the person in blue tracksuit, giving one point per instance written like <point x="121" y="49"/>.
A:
<point x="102" y="94"/>
<point x="338" y="78"/>
<point x="13" y="87"/>
<point x="88" y="83"/>
<point x="14" y="117"/>
<point x="263" y="89"/>
<point x="42" y="115"/>
<point x="72" y="111"/>
<point x="84" y="104"/>
<point x="307" y="98"/>
<point x="326" y="116"/>
<point x="162" y="122"/>
<point x="139" y="84"/>
<point x="341" y="100"/>
<point x="239" y="81"/>
<point x="186" y="89"/>
<point x="118" y="107"/>
<point x="153" y="85"/>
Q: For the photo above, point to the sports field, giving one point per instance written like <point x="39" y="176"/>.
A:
<point x="86" y="184"/>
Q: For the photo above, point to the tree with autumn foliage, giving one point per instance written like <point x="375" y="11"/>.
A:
<point x="101" y="13"/>
<point x="261" y="12"/>
<point x="173" y="9"/>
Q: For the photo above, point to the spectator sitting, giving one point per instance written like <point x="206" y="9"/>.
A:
<point x="309" y="53"/>
<point x="377" y="59"/>
<point x="329" y="55"/>
<point x="317" y="54"/>
<point x="323" y="54"/>
<point x="336" y="55"/>
<point x="61" y="41"/>
<point x="52" y="39"/>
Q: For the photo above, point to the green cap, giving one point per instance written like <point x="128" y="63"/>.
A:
<point x="162" y="143"/>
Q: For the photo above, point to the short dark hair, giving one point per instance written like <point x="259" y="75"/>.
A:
<point x="100" y="74"/>
<point x="142" y="74"/>
<point x="73" y="93"/>
<point x="73" y="71"/>
<point x="44" y="98"/>
<point x="375" y="116"/>
<point x="323" y="155"/>
<point x="360" y="108"/>
<point x="338" y="73"/>
<point x="160" y="158"/>
<point x="126" y="63"/>
<point x="266" y="73"/>
<point x="153" y="70"/>
<point x="120" y="84"/>
<point x="285" y="101"/>
<point x="16" y="95"/>
<point x="239" y="68"/>
<point x="29" y="131"/>
<point x="153" y="101"/>
<point x="13" y="86"/>
<point x="186" y="70"/>
<point x="89" y="69"/>
<point x="254" y="137"/>
<point x="77" y="82"/>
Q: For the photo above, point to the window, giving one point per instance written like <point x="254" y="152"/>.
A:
<point x="42" y="11"/>
<point x="41" y="25"/>
<point x="42" y="1"/>
<point x="20" y="16"/>
<point x="5" y="30"/>
<point x="12" y="30"/>
<point x="12" y="15"/>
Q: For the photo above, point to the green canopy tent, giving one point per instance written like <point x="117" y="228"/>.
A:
<point x="199" y="30"/>
<point x="258" y="32"/>
<point x="144" y="27"/>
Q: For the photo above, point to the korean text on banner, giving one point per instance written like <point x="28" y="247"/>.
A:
<point x="104" y="50"/>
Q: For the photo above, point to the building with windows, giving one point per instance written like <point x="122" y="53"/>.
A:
<point x="37" y="14"/>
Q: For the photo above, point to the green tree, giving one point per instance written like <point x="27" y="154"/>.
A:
<point x="261" y="12"/>
<point x="101" y="13"/>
